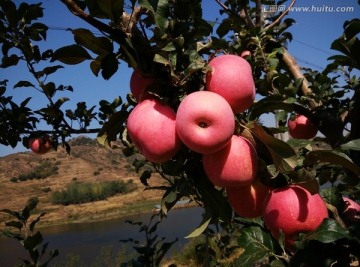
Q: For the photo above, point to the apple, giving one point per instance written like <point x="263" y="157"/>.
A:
<point x="302" y="128"/>
<point x="234" y="165"/>
<point x="138" y="85"/>
<point x="248" y="201"/>
<point x="40" y="145"/>
<point x="352" y="209"/>
<point x="293" y="210"/>
<point x="245" y="53"/>
<point x="151" y="126"/>
<point x="205" y="122"/>
<point x="231" y="77"/>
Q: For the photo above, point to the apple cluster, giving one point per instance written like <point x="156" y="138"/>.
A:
<point x="205" y="123"/>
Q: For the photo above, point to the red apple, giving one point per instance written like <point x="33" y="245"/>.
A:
<point x="302" y="128"/>
<point x="40" y="145"/>
<point x="293" y="210"/>
<point x="245" y="53"/>
<point x="205" y="122"/>
<point x="351" y="209"/>
<point x="151" y="126"/>
<point x="248" y="201"/>
<point x="231" y="77"/>
<point x="234" y="165"/>
<point x="138" y="85"/>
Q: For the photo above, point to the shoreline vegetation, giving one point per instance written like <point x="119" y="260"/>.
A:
<point x="25" y="175"/>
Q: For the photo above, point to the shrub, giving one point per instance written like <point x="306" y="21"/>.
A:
<point x="42" y="171"/>
<point x="80" y="192"/>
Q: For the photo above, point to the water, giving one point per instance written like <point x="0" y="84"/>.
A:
<point x="87" y="239"/>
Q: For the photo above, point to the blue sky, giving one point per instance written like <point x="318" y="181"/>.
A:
<point x="313" y="33"/>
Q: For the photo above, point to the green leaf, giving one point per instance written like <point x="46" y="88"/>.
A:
<point x="352" y="29"/>
<point x="169" y="199"/>
<point x="52" y="69"/>
<point x="203" y="225"/>
<point x="9" y="61"/>
<point x="32" y="241"/>
<point x="112" y="127"/>
<point x="16" y="214"/>
<point x="16" y="224"/>
<point x="328" y="231"/>
<point x="315" y="157"/>
<point x="257" y="244"/>
<point x="160" y="11"/>
<point x="352" y="145"/>
<point x="49" y="89"/>
<point x="61" y="101"/>
<point x="160" y="59"/>
<point x="109" y="65"/>
<point x="98" y="45"/>
<point x="283" y="155"/>
<point x="23" y="84"/>
<point x="146" y="175"/>
<point x="72" y="54"/>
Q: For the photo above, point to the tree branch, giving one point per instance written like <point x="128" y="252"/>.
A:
<point x="118" y="35"/>
<point x="281" y="16"/>
<point x="296" y="72"/>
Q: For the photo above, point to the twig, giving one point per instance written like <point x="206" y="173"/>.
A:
<point x="281" y="16"/>
<point x="244" y="13"/>
<point x="258" y="22"/>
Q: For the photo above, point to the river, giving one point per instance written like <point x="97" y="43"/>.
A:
<point x="87" y="239"/>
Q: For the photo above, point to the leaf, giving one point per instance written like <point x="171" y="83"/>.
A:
<point x="52" y="69"/>
<point x="72" y="54"/>
<point x="352" y="145"/>
<point x="109" y="65"/>
<point x="15" y="224"/>
<point x="16" y="214"/>
<point x="112" y="127"/>
<point x="160" y="59"/>
<point x="34" y="222"/>
<point x="146" y="175"/>
<point x="315" y="157"/>
<point x="32" y="241"/>
<point x="283" y="155"/>
<point x="169" y="199"/>
<point x="269" y="104"/>
<point x="328" y="231"/>
<point x="203" y="225"/>
<point x="257" y="245"/>
<point x="98" y="45"/>
<point x="23" y="84"/>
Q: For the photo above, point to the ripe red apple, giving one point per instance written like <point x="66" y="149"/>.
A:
<point x="234" y="165"/>
<point x="293" y="210"/>
<point x="205" y="122"/>
<point x="231" y="77"/>
<point x="351" y="209"/>
<point x="151" y="126"/>
<point x="138" y="84"/>
<point x="248" y="201"/>
<point x="40" y="145"/>
<point x="302" y="128"/>
<point x="245" y="53"/>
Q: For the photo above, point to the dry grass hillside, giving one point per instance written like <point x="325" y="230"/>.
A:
<point x="88" y="162"/>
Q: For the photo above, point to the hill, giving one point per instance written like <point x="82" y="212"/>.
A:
<point x="88" y="162"/>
